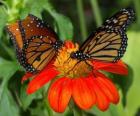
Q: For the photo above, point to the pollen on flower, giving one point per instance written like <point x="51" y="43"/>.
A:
<point x="68" y="66"/>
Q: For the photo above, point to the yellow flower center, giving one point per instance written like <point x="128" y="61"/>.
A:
<point x="71" y="67"/>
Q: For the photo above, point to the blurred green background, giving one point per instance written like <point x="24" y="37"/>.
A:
<point x="72" y="20"/>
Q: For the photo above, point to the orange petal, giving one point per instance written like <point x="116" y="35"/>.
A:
<point x="111" y="87"/>
<point x="41" y="79"/>
<point x="81" y="94"/>
<point x="118" y="67"/>
<point x="101" y="99"/>
<point x="59" y="94"/>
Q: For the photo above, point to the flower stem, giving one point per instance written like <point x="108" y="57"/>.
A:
<point x="96" y="12"/>
<point x="76" y="110"/>
<point x="49" y="110"/>
<point x="81" y="18"/>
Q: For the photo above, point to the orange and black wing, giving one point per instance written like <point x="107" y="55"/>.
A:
<point x="105" y="45"/>
<point x="120" y="20"/>
<point x="109" y="42"/>
<point x="31" y="26"/>
<point x="36" y="43"/>
<point x="38" y="52"/>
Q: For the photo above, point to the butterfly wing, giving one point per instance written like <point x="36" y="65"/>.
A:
<point x="120" y="20"/>
<point x="34" y="42"/>
<point x="109" y="42"/>
<point x="105" y="45"/>
<point x="38" y="52"/>
<point x="31" y="26"/>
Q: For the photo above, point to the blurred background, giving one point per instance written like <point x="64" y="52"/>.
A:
<point x="72" y="20"/>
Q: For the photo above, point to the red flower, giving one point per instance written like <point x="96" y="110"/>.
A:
<point x="83" y="83"/>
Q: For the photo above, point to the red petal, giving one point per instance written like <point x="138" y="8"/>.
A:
<point x="107" y="87"/>
<point x="26" y="76"/>
<point x="111" y="87"/>
<point x="59" y="94"/>
<point x="29" y="75"/>
<point x="118" y="67"/>
<point x="90" y="86"/>
<point x="82" y="94"/>
<point x="41" y="79"/>
<point x="101" y="99"/>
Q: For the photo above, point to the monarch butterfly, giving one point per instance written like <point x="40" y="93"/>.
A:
<point x="108" y="43"/>
<point x="35" y="42"/>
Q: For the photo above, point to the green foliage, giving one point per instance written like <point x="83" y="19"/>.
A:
<point x="25" y="99"/>
<point x="7" y="105"/>
<point x="132" y="58"/>
<point x="3" y="20"/>
<point x="13" y="98"/>
<point x="7" y="69"/>
<point x="124" y="80"/>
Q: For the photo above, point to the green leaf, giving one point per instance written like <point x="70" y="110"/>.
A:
<point x="7" y="70"/>
<point x="63" y="23"/>
<point x="26" y="100"/>
<point x="39" y="110"/>
<point x="124" y="83"/>
<point x="6" y="52"/>
<point x="33" y="8"/>
<point x="65" y="28"/>
<point x="132" y="57"/>
<point x="8" y="106"/>
<point x="3" y="20"/>
<point x="112" y="111"/>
